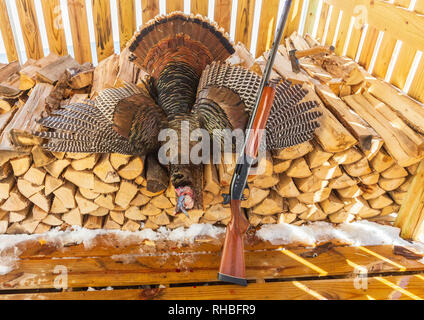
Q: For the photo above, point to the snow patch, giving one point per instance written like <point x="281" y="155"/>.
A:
<point x="360" y="233"/>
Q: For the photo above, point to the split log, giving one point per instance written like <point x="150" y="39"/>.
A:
<point x="314" y="197"/>
<point x="73" y="217"/>
<point x="408" y="110"/>
<point x="211" y="179"/>
<point x="299" y="169"/>
<point x="58" y="206"/>
<point x="156" y="176"/>
<point x="93" y="222"/>
<point x="273" y="204"/>
<point x="85" y="206"/>
<point x="382" y="161"/>
<point x="118" y="160"/>
<point x="15" y="202"/>
<point x="369" y="140"/>
<point x="286" y="218"/>
<point x="402" y="144"/>
<point x="281" y="166"/>
<point x="286" y="187"/>
<point x="256" y="196"/>
<point x="27" y="189"/>
<point x="66" y="194"/>
<point x="56" y="168"/>
<point x="329" y="170"/>
<point x="41" y="157"/>
<point x="82" y="179"/>
<point x="105" y="201"/>
<point x="317" y="157"/>
<point x="52" y="220"/>
<point x="350" y="192"/>
<point x="344" y="181"/>
<point x="5" y="186"/>
<point x="105" y="74"/>
<point x="332" y="204"/>
<point x="296" y="207"/>
<point x="161" y="202"/>
<point x="349" y="156"/>
<point x="38" y="213"/>
<point x="314" y="213"/>
<point x="17" y="132"/>
<point x="392" y="209"/>
<point x="102" y="187"/>
<point x="398" y="197"/>
<point x="394" y="172"/>
<point x="358" y="169"/>
<point x="134" y="213"/>
<point x="54" y="70"/>
<point x="139" y="200"/>
<point x="150" y="210"/>
<point x="226" y="168"/>
<point x="391" y="184"/>
<point x="341" y="216"/>
<point x="359" y="207"/>
<point x="104" y="170"/>
<point x="380" y="202"/>
<point x="87" y="163"/>
<point x="18" y="216"/>
<point x="372" y="191"/>
<point x="331" y="135"/>
<point x="20" y="165"/>
<point x="133" y="226"/>
<point x="294" y="152"/>
<point x="132" y="169"/>
<point x="35" y="176"/>
<point x="310" y="184"/>
<point x="117" y="216"/>
<point x="217" y="213"/>
<point x="125" y="194"/>
<point x="370" y="179"/>
<point x="81" y="76"/>
<point x="51" y="184"/>
<point x="265" y="182"/>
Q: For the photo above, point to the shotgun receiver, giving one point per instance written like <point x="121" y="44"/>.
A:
<point x="232" y="268"/>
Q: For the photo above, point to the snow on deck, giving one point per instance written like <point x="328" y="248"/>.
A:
<point x="360" y="233"/>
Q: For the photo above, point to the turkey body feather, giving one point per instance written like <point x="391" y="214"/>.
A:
<point x="189" y="87"/>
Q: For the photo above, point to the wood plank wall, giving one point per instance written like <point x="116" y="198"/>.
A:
<point x="385" y="37"/>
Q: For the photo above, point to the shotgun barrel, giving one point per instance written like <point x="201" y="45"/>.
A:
<point x="232" y="267"/>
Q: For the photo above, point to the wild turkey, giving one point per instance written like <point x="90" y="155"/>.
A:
<point x="189" y="86"/>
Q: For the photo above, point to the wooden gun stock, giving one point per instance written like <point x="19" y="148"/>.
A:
<point x="232" y="268"/>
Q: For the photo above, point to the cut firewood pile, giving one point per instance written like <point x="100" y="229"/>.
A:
<point x="359" y="166"/>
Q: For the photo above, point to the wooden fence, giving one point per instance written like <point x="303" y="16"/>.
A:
<point x="386" y="37"/>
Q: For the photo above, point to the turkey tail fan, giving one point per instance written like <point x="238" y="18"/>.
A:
<point x="290" y="122"/>
<point x="179" y="37"/>
<point x="122" y="120"/>
<point x="82" y="128"/>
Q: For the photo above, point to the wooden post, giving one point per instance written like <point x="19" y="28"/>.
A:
<point x="30" y="31"/>
<point x="200" y="7"/>
<point x="223" y="13"/>
<point x="267" y="25"/>
<point x="150" y="9"/>
<point x="244" y="21"/>
<point x="127" y="21"/>
<point x="102" y="29"/>
<point x="411" y="215"/>
<point x="54" y="27"/>
<point x="174" y="5"/>
<point x="7" y="33"/>
<point x="79" y="29"/>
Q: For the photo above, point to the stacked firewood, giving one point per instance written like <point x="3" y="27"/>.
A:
<point x="359" y="166"/>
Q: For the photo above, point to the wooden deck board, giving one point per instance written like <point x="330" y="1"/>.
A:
<point x="106" y="264"/>
<point x="387" y="288"/>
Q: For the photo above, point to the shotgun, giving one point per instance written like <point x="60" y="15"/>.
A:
<point x="232" y="267"/>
